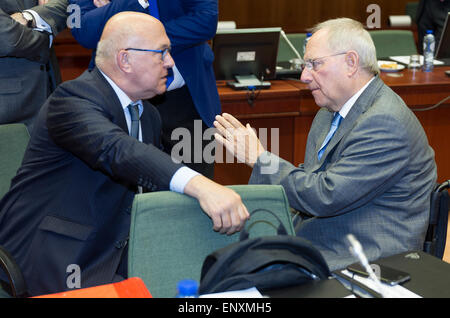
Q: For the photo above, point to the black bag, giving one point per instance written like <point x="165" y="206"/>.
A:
<point x="266" y="262"/>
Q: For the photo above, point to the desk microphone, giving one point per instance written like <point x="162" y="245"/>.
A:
<point x="357" y="251"/>
<point x="291" y="45"/>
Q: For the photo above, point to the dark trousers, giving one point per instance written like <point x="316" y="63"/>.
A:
<point x="177" y="110"/>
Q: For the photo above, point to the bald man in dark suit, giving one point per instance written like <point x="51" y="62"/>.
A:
<point x="70" y="202"/>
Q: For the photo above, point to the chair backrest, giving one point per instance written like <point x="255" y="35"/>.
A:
<point x="170" y="236"/>
<point x="285" y="52"/>
<point x="436" y="236"/>
<point x="393" y="43"/>
<point x="411" y="9"/>
<point x="13" y="142"/>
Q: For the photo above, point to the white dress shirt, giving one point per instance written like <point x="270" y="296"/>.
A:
<point x="41" y="25"/>
<point x="349" y="104"/>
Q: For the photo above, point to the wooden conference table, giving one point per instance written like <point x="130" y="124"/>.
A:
<point x="288" y="108"/>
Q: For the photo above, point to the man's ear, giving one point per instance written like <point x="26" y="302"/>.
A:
<point x="123" y="61"/>
<point x="352" y="61"/>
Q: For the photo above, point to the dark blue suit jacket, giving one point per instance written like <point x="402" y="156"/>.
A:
<point x="189" y="24"/>
<point x="71" y="199"/>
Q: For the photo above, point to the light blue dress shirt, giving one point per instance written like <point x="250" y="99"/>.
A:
<point x="41" y="25"/>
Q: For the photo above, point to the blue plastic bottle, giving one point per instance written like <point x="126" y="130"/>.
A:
<point x="187" y="288"/>
<point x="428" y="51"/>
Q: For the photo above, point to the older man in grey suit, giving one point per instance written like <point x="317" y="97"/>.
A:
<point x="28" y="69"/>
<point x="372" y="177"/>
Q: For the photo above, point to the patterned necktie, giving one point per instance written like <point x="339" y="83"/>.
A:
<point x="334" y="126"/>
<point x="134" y="113"/>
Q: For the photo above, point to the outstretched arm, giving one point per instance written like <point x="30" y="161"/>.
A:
<point x="238" y="139"/>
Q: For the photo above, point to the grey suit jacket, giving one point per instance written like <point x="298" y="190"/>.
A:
<point x="374" y="179"/>
<point x="26" y="76"/>
<point x="54" y="13"/>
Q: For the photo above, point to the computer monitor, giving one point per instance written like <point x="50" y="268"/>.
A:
<point x="443" y="51"/>
<point x="246" y="56"/>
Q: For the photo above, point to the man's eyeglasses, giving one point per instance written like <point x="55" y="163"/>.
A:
<point x="313" y="64"/>
<point x="163" y="52"/>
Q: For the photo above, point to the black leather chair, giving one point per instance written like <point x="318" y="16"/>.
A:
<point x="15" y="286"/>
<point x="436" y="236"/>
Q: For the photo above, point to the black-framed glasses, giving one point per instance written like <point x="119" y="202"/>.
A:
<point x="313" y="64"/>
<point x="163" y="52"/>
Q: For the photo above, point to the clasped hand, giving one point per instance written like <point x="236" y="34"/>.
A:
<point x="223" y="205"/>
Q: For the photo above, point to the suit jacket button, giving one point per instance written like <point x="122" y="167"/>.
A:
<point x="120" y="244"/>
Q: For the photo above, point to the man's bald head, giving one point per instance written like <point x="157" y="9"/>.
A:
<point x="123" y="30"/>
<point x="133" y="53"/>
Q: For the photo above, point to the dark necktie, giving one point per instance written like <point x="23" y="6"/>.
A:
<point x="133" y="108"/>
<point x="134" y="113"/>
<point x="334" y="126"/>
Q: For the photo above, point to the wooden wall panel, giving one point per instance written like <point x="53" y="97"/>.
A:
<point x="299" y="15"/>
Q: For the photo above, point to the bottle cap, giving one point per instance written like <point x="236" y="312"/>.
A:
<point x="429" y="31"/>
<point x="187" y="287"/>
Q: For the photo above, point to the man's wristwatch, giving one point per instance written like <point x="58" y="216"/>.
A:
<point x="144" y="3"/>
<point x="29" y="17"/>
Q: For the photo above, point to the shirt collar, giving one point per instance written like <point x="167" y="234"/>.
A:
<point x="123" y="98"/>
<point x="349" y="104"/>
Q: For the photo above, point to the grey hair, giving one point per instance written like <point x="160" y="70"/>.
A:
<point x="108" y="47"/>
<point x="345" y="34"/>
<point x="105" y="51"/>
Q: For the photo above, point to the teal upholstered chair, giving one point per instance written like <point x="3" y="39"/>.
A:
<point x="393" y="42"/>
<point x="285" y="53"/>
<point x="13" y="142"/>
<point x="170" y="235"/>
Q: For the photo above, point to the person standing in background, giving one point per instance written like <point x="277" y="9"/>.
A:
<point x="431" y="15"/>
<point x="28" y="68"/>
<point x="192" y="98"/>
